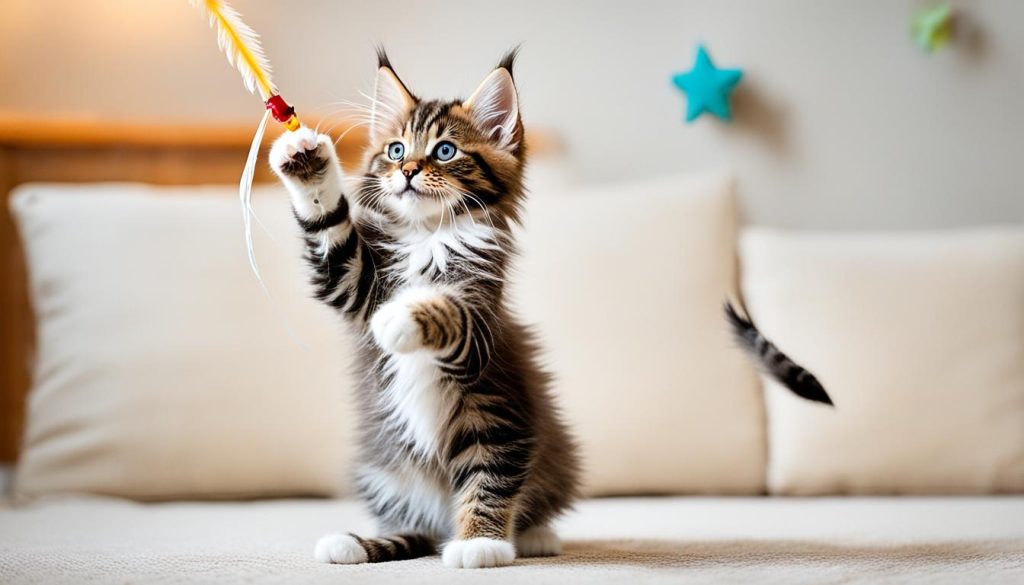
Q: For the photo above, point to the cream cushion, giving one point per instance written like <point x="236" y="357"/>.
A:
<point x="625" y="284"/>
<point x="919" y="339"/>
<point x="162" y="370"/>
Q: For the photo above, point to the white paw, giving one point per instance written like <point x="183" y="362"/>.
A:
<point x="538" y="541"/>
<point x="478" y="553"/>
<point x="291" y="143"/>
<point x="395" y="330"/>
<point x="339" y="548"/>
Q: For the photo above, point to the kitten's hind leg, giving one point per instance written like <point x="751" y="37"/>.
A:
<point x="350" y="549"/>
<point x="538" y="541"/>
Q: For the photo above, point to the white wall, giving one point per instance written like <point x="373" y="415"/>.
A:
<point x="840" y="122"/>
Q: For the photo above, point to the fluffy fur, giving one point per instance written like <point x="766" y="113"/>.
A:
<point x="461" y="444"/>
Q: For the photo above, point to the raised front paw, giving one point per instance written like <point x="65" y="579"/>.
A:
<point x="395" y="329"/>
<point x="302" y="155"/>
<point x="478" y="553"/>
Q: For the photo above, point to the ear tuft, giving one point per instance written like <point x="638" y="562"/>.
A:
<point x="495" y="105"/>
<point x="508" y="61"/>
<point x="382" y="58"/>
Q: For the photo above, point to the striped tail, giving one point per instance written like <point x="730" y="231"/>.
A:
<point x="397" y="547"/>
<point x="352" y="549"/>
<point x="772" y="361"/>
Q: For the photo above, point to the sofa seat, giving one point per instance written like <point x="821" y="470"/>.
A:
<point x="689" y="540"/>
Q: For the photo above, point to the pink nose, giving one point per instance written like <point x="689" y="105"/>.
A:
<point x="410" y="169"/>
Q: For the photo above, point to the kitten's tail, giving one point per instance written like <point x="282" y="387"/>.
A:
<point x="772" y="361"/>
<point x="351" y="549"/>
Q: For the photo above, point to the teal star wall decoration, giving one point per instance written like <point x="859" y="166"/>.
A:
<point x="707" y="87"/>
<point x="932" y="28"/>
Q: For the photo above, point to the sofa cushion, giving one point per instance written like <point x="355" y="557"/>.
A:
<point x="919" y="339"/>
<point x="162" y="370"/>
<point x="625" y="284"/>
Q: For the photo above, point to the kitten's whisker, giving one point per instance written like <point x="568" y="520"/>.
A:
<point x="382" y="105"/>
<point x="349" y="129"/>
<point x="483" y="208"/>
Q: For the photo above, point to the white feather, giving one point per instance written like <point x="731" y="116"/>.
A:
<point x="241" y="45"/>
<point x="245" y="193"/>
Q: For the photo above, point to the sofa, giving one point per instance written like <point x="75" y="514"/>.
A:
<point x="188" y="423"/>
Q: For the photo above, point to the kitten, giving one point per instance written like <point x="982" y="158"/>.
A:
<point x="460" y="442"/>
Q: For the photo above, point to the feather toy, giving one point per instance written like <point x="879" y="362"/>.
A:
<point x="242" y="47"/>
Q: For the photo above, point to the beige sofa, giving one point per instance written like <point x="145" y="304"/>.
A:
<point x="695" y="540"/>
<point x="183" y="428"/>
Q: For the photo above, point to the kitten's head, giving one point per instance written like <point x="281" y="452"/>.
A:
<point x="438" y="159"/>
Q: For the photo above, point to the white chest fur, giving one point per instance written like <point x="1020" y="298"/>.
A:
<point x="418" y="397"/>
<point x="419" y="400"/>
<point x="424" y="248"/>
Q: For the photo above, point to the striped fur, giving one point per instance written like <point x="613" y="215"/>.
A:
<point x="772" y="361"/>
<point x="460" y="441"/>
<point x="396" y="546"/>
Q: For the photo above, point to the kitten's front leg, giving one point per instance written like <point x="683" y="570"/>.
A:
<point x="453" y="324"/>
<point x="343" y="266"/>
<point x="417" y="318"/>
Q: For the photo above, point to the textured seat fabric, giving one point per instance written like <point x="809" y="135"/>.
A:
<point x="650" y="540"/>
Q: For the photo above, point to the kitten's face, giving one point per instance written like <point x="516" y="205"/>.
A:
<point x="431" y="161"/>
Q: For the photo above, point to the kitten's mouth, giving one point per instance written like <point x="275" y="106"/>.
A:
<point x="409" y="191"/>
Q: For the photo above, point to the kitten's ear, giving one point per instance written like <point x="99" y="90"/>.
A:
<point x="392" y="101"/>
<point x="495" y="106"/>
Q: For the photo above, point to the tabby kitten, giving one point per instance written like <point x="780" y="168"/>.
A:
<point x="460" y="443"/>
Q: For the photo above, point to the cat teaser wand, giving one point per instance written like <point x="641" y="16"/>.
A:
<point x="242" y="47"/>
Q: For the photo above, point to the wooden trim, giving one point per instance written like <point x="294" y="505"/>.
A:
<point x="17" y="324"/>
<point x="27" y="132"/>
<point x="23" y="131"/>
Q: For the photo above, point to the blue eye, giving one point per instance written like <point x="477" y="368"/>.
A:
<point x="396" y="150"/>
<point x="444" y="151"/>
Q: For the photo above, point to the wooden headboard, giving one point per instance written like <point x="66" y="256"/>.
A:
<point x="81" y="151"/>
